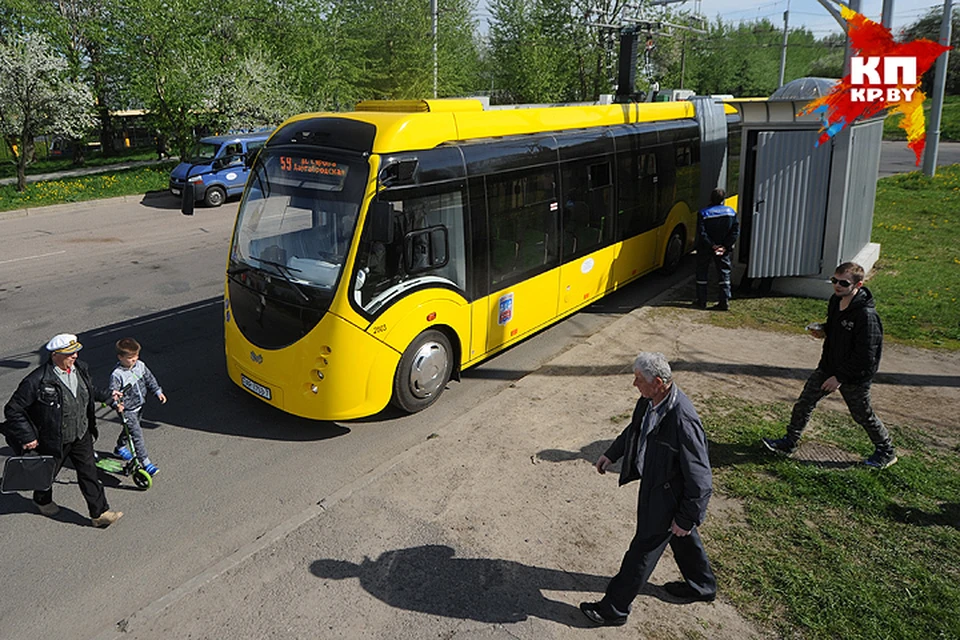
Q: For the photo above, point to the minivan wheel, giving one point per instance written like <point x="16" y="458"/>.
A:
<point x="214" y="197"/>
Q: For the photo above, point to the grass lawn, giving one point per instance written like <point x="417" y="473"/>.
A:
<point x="104" y="185"/>
<point x="827" y="552"/>
<point x="949" y="120"/>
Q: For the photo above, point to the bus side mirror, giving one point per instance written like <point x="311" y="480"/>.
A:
<point x="187" y="199"/>
<point x="425" y="249"/>
<point x="381" y="222"/>
<point x="399" y="172"/>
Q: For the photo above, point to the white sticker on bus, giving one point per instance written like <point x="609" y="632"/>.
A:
<point x="586" y="266"/>
<point x="506" y="308"/>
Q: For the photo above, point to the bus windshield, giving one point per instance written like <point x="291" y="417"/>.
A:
<point x="298" y="217"/>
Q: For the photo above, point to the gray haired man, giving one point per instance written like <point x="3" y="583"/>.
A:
<point x="665" y="445"/>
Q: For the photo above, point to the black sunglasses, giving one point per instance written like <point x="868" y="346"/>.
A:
<point x="842" y="283"/>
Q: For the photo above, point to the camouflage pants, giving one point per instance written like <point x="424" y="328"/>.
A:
<point x="857" y="397"/>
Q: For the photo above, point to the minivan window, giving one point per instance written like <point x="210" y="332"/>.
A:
<point x="203" y="153"/>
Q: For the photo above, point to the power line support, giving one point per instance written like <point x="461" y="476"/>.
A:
<point x="783" y="49"/>
<point x="433" y="14"/>
<point x="939" y="85"/>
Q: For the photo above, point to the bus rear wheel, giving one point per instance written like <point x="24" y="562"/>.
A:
<point x="674" y="251"/>
<point x="214" y="197"/>
<point x="423" y="372"/>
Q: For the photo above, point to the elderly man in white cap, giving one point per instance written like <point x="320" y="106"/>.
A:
<point x="52" y="411"/>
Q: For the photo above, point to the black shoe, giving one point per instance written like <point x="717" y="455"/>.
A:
<point x="699" y="304"/>
<point x="784" y="446"/>
<point x="684" y="591"/>
<point x="721" y="306"/>
<point x="602" y="614"/>
<point x="881" y="459"/>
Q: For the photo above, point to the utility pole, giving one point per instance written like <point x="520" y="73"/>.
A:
<point x="939" y="85"/>
<point x="783" y="49"/>
<point x="683" y="58"/>
<point x="433" y="14"/>
<point x="886" y="17"/>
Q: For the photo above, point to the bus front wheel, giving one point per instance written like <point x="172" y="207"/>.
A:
<point x="214" y="197"/>
<point x="674" y="251"/>
<point x="423" y="372"/>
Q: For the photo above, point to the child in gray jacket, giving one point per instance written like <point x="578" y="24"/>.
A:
<point x="134" y="379"/>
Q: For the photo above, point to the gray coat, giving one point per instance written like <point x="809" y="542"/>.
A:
<point x="677" y="481"/>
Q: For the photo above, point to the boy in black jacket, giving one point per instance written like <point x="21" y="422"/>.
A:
<point x="853" y="341"/>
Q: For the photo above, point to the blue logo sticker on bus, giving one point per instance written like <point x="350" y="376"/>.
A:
<point x="506" y="308"/>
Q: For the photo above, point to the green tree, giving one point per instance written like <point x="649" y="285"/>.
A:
<point x="37" y="97"/>
<point x="83" y="31"/>
<point x="829" y="62"/>
<point x="549" y="51"/>
<point x="929" y="27"/>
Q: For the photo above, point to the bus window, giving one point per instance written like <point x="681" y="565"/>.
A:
<point x="639" y="193"/>
<point x="587" y="221"/>
<point x="429" y="246"/>
<point x="523" y="224"/>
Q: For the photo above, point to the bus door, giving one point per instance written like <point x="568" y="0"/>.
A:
<point x="523" y="221"/>
<point x="587" y="232"/>
<point x="640" y="210"/>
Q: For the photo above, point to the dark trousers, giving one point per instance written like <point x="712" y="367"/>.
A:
<point x="641" y="558"/>
<point x="857" y="397"/>
<point x="724" y="266"/>
<point x="80" y="453"/>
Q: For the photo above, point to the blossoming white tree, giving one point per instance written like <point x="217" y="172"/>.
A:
<point x="38" y="97"/>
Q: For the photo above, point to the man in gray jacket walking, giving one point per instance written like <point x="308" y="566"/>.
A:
<point x="665" y="445"/>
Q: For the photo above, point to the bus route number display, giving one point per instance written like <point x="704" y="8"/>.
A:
<point x="324" y="171"/>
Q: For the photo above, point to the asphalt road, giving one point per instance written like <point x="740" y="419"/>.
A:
<point x="231" y="467"/>
<point x="896" y="157"/>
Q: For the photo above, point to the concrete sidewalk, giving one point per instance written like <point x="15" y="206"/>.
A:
<point x="498" y="526"/>
<point x="87" y="171"/>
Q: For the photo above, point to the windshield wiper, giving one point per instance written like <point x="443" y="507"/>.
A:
<point x="287" y="274"/>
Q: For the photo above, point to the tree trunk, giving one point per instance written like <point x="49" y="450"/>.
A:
<point x="106" y="129"/>
<point x="24" y="157"/>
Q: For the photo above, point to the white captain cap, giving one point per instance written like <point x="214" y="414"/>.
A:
<point x="64" y="343"/>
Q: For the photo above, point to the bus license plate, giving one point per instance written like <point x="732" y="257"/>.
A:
<point x="257" y="388"/>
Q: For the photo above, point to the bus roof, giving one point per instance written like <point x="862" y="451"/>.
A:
<point x="423" y="124"/>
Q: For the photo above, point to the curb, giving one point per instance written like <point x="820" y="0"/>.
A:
<point x="13" y="214"/>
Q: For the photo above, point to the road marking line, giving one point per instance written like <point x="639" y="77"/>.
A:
<point x="42" y="255"/>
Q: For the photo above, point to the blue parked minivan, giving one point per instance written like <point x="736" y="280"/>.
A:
<point x="217" y="167"/>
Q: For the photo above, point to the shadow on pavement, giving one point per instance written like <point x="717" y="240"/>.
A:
<point x="183" y="347"/>
<point x="23" y="503"/>
<point x="429" y="579"/>
<point x="160" y="200"/>
<point x="589" y="452"/>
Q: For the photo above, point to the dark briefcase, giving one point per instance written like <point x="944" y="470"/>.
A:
<point x="31" y="472"/>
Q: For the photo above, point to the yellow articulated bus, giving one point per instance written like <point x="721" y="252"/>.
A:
<point x="378" y="253"/>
